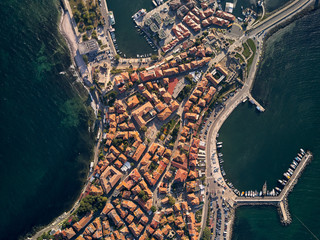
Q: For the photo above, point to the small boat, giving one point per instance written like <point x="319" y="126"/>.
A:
<point x="260" y="194"/>
<point x="278" y="189"/>
<point x="302" y="151"/>
<point x="299" y="155"/>
<point x="219" y="143"/>
<point x="246" y="194"/>
<point x="242" y="194"/>
<point x="154" y="3"/>
<point x="295" y="163"/>
<point x="293" y="166"/>
<point x="286" y="175"/>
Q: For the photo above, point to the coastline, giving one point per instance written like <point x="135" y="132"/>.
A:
<point x="260" y="55"/>
<point x="67" y="35"/>
<point x="73" y="49"/>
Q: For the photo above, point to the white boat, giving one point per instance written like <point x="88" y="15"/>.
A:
<point x="111" y="18"/>
<point x="278" y="189"/>
<point x="139" y="14"/>
<point x="154" y="3"/>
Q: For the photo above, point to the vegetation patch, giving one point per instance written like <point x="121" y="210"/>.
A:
<point x="253" y="49"/>
<point x="239" y="56"/>
<point x="246" y="51"/>
<point x="87" y="15"/>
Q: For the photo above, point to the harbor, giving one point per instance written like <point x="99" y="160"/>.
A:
<point x="280" y="198"/>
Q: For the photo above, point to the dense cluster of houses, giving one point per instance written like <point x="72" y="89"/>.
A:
<point x="183" y="63"/>
<point x="138" y="177"/>
<point x="195" y="19"/>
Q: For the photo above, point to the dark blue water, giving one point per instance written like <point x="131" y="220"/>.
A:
<point x="130" y="42"/>
<point x="259" y="147"/>
<point x="239" y="5"/>
<point x="45" y="146"/>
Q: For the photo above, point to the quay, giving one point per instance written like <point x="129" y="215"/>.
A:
<point x="255" y="102"/>
<point x="279" y="201"/>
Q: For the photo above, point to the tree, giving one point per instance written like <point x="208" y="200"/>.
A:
<point x="142" y="194"/>
<point x="188" y="77"/>
<point x="91" y="203"/>
<point x="144" y="129"/>
<point x="85" y="37"/>
<point x="94" y="35"/>
<point x="154" y="57"/>
<point x="153" y="208"/>
<point x="206" y="234"/>
<point x="172" y="201"/>
<point x="85" y="58"/>
<point x="145" y="198"/>
<point x="77" y="16"/>
<point x="117" y="57"/>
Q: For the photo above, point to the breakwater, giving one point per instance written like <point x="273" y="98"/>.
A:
<point x="279" y="201"/>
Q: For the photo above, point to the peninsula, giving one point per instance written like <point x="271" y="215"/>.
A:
<point x="157" y="170"/>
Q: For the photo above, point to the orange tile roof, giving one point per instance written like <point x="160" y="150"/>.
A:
<point x="83" y="221"/>
<point x="171" y="71"/>
<point x="139" y="152"/>
<point x="167" y="97"/>
<point x="160" y="106"/>
<point x="191" y="116"/>
<point x="153" y="148"/>
<point x="147" y="75"/>
<point x="125" y="76"/>
<point x="225" y="15"/>
<point x="221" y="69"/>
<point x="164" y="114"/>
<point x="134" y="77"/>
<point x="181" y="175"/>
<point x="133" y="101"/>
<point x="70" y="233"/>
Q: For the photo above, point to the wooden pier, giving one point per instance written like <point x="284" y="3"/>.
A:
<point x="279" y="201"/>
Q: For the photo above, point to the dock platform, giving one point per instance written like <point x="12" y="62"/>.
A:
<point x="279" y="201"/>
<point x="255" y="102"/>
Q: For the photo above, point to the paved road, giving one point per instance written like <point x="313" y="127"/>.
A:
<point x="280" y="16"/>
<point x="106" y="27"/>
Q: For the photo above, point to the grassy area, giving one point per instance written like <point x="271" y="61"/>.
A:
<point x="229" y="89"/>
<point x="246" y="51"/>
<point x="231" y="41"/>
<point x="251" y="45"/>
<point x="253" y="49"/>
<point x="240" y="58"/>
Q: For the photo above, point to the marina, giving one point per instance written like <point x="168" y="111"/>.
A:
<point x="277" y="197"/>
